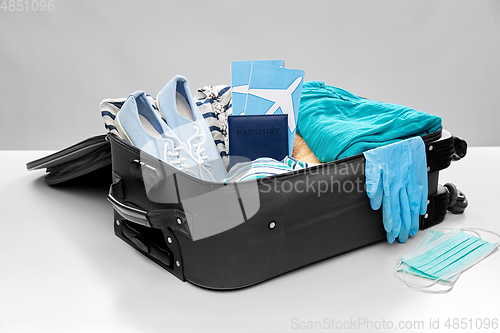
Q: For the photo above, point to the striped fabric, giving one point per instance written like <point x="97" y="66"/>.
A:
<point x="262" y="167"/>
<point x="215" y="105"/>
<point x="295" y="164"/>
<point x="110" y="108"/>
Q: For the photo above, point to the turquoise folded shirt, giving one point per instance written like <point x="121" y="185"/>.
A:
<point x="336" y="124"/>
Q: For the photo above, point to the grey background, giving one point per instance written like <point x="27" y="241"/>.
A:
<point x="442" y="57"/>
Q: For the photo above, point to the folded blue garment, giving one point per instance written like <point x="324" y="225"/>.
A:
<point x="337" y="124"/>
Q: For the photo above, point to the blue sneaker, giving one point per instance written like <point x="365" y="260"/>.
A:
<point x="140" y="124"/>
<point x="182" y="115"/>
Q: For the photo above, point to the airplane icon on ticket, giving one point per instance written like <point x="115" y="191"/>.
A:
<point x="282" y="99"/>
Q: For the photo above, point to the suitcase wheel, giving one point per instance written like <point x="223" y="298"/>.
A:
<point x="459" y="202"/>
<point x="452" y="193"/>
<point x="460" y="148"/>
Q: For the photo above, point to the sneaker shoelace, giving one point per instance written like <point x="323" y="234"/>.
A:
<point x="179" y="161"/>
<point x="197" y="155"/>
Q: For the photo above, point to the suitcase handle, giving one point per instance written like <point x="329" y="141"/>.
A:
<point x="129" y="213"/>
<point x="147" y="246"/>
<point x="158" y="218"/>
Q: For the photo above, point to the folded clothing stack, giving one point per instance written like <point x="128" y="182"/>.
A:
<point x="332" y="124"/>
<point x="263" y="167"/>
<point x="147" y="128"/>
<point x="170" y="128"/>
<point x="336" y="124"/>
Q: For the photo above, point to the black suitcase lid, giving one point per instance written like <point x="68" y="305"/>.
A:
<point x="75" y="161"/>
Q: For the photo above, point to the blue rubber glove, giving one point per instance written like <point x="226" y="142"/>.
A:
<point x="418" y="187"/>
<point x="396" y="178"/>
<point x="394" y="161"/>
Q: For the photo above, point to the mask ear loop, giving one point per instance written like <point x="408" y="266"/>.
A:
<point x="463" y="229"/>
<point x="473" y="230"/>
<point x="421" y="288"/>
<point x="442" y="228"/>
<point x="481" y="229"/>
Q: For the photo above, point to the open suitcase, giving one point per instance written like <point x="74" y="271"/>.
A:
<point x="233" y="235"/>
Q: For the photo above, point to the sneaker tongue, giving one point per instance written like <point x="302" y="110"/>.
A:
<point x="176" y="103"/>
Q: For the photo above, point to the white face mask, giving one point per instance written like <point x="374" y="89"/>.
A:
<point x="441" y="258"/>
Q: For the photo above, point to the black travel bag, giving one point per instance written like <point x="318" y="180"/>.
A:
<point x="233" y="235"/>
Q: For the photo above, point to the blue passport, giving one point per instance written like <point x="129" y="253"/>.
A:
<point x="254" y="136"/>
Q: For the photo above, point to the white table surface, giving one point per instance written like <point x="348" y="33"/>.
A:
<point x="62" y="269"/>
